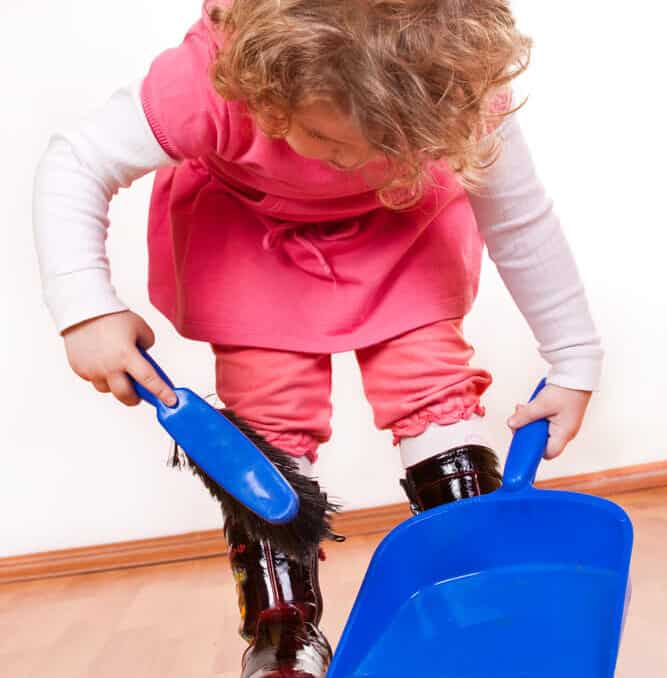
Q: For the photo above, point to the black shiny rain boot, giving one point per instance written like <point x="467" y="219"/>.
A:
<point x="466" y="471"/>
<point x="281" y="607"/>
<point x="276" y="570"/>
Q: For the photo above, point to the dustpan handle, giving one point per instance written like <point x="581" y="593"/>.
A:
<point x="526" y="452"/>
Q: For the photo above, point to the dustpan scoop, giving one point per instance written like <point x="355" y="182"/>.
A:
<point x="517" y="583"/>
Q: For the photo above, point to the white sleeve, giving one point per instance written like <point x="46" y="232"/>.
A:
<point x="76" y="178"/>
<point x="525" y="240"/>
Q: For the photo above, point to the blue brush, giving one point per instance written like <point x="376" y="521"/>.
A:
<point x="223" y="452"/>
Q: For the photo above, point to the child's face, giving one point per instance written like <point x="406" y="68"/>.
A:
<point x="319" y="131"/>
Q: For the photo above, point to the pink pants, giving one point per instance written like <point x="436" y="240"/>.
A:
<point x="412" y="380"/>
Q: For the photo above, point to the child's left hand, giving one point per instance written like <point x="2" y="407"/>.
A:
<point x="563" y="407"/>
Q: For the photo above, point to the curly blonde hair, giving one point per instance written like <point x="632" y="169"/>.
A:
<point x="417" y="76"/>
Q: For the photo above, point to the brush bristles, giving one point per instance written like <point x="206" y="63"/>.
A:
<point x="297" y="538"/>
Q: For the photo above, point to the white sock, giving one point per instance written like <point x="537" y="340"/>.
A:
<point x="437" y="438"/>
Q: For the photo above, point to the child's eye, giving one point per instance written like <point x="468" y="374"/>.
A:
<point x="316" y="135"/>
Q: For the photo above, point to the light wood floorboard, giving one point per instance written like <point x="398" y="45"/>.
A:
<point x="179" y="620"/>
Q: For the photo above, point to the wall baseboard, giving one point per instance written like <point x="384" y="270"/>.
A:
<point x="211" y="543"/>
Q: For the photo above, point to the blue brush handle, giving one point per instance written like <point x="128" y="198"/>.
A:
<point x="144" y="392"/>
<point x="526" y="452"/>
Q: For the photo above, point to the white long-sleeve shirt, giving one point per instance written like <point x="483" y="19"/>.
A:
<point x="83" y="169"/>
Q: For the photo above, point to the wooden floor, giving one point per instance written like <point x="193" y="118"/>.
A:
<point x="179" y="621"/>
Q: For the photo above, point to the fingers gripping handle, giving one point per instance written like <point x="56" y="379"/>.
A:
<point x="142" y="391"/>
<point x="526" y="451"/>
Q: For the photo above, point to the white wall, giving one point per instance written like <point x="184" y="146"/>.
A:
<point x="80" y="469"/>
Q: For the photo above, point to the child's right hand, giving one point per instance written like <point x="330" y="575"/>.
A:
<point x="103" y="350"/>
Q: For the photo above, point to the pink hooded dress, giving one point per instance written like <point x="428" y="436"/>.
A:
<point x="251" y="244"/>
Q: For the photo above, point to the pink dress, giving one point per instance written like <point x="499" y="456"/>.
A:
<point x="251" y="244"/>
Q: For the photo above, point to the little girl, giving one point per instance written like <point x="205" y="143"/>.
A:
<point x="327" y="175"/>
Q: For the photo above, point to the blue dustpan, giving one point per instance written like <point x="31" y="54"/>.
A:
<point x="520" y="583"/>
